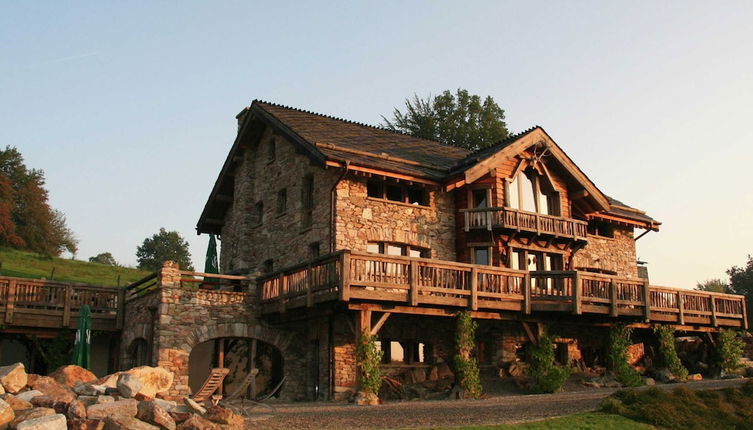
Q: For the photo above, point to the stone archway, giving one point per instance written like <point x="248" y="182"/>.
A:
<point x="174" y="353"/>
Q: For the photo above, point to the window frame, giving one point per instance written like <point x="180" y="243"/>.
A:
<point x="381" y="187"/>
<point x="406" y="248"/>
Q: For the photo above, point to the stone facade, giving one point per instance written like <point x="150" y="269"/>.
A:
<point x="361" y="219"/>
<point x="280" y="236"/>
<point x="615" y="254"/>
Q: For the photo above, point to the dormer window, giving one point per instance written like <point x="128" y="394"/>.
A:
<point x="529" y="191"/>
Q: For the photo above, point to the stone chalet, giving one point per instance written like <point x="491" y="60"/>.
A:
<point x="329" y="228"/>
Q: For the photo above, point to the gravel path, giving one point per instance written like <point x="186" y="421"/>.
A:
<point x="447" y="413"/>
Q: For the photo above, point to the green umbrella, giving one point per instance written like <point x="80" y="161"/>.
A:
<point x="82" y="347"/>
<point x="210" y="264"/>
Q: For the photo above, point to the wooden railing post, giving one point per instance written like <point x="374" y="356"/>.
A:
<point x="577" y="294"/>
<point x="489" y="220"/>
<point x="283" y="291"/>
<point x="713" y="310"/>
<point x="309" y="282"/>
<point x="67" y="306"/>
<point x="614" y="310"/>
<point x="527" y="293"/>
<point x="680" y="308"/>
<point x="744" y="301"/>
<point x="474" y="289"/>
<point x="121" y="309"/>
<point x="467" y="221"/>
<point x="345" y="276"/>
<point x="413" y="299"/>
<point x="11" y="303"/>
<point x="646" y="301"/>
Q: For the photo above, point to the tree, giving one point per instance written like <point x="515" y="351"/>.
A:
<point x="163" y="246"/>
<point x="462" y="119"/>
<point x="103" y="258"/>
<point x="26" y="219"/>
<point x="741" y="282"/>
<point x="713" y="286"/>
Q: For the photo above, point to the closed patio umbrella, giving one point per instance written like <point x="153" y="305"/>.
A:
<point x="82" y="346"/>
<point x="210" y="263"/>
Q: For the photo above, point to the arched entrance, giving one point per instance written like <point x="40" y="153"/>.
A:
<point x="240" y="355"/>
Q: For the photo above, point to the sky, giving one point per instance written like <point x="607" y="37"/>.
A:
<point x="129" y="107"/>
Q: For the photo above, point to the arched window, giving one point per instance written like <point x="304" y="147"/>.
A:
<point x="532" y="192"/>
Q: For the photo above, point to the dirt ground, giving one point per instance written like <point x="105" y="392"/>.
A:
<point x="498" y="409"/>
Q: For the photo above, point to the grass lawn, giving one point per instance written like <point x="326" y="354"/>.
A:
<point x="585" y="421"/>
<point x="29" y="265"/>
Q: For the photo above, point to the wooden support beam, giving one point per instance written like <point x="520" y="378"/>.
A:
<point x="345" y="277"/>
<point x="438" y="312"/>
<point x="364" y="320"/>
<point x="575" y="195"/>
<point x="527" y="293"/>
<point x="413" y="283"/>
<point x="11" y="301"/>
<point x="745" y="312"/>
<point x="67" y="306"/>
<point x="577" y="294"/>
<point x="680" y="308"/>
<point x="473" y="304"/>
<point x="713" y="311"/>
<point x="646" y="301"/>
<point x="532" y="337"/>
<point x="382" y="319"/>
<point x="614" y="307"/>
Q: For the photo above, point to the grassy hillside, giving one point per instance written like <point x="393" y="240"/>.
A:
<point x="29" y="265"/>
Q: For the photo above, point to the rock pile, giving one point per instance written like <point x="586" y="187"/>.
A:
<point x="72" y="398"/>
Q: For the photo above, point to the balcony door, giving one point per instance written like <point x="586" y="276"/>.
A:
<point x="531" y="192"/>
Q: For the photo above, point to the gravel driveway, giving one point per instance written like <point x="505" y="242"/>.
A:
<point x="447" y="413"/>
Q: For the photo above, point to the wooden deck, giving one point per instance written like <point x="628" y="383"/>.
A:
<point x="511" y="219"/>
<point x="34" y="303"/>
<point x="420" y="284"/>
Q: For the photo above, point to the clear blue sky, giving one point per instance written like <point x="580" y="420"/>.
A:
<point x="129" y="107"/>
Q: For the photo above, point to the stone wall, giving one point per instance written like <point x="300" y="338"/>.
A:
<point x="361" y="219"/>
<point x="615" y="254"/>
<point x="280" y="237"/>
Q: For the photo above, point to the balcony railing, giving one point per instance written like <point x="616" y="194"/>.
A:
<point x="491" y="218"/>
<point x="347" y="276"/>
<point x="48" y="304"/>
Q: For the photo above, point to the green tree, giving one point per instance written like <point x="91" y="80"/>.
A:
<point x="462" y="119"/>
<point x="26" y="219"/>
<point x="163" y="246"/>
<point x="713" y="285"/>
<point x="741" y="282"/>
<point x="103" y="258"/>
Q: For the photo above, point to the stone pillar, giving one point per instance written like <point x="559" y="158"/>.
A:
<point x="169" y="274"/>
<point x="345" y="365"/>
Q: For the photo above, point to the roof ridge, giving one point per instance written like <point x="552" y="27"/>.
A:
<point x="362" y="124"/>
<point x="470" y="157"/>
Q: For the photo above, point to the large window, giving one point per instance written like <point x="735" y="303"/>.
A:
<point x="397" y="193"/>
<point x="482" y="255"/>
<point x="531" y="192"/>
<point x="480" y="198"/>
<point x="399" y="249"/>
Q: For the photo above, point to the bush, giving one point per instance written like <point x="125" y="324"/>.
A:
<point x="668" y="353"/>
<point x="729" y="350"/>
<point x="619" y="341"/>
<point x="369" y="362"/>
<point x="545" y="376"/>
<point x="466" y="366"/>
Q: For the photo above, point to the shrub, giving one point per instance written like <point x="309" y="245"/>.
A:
<point x="668" y="353"/>
<point x="729" y="350"/>
<point x="466" y="366"/>
<point x="619" y="341"/>
<point x="545" y="376"/>
<point x="369" y="360"/>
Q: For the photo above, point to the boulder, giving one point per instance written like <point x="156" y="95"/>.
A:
<point x="127" y="407"/>
<point x="16" y="403"/>
<point x="52" y="422"/>
<point x="167" y="405"/>
<point x="122" y="422"/>
<point x="76" y="410"/>
<point x="2" y="390"/>
<point x="28" y="395"/>
<point x="49" y="402"/>
<point x="105" y="399"/>
<point x="86" y="425"/>
<point x="129" y="385"/>
<point x="6" y="415"/>
<point x="54" y="389"/>
<point x="154" y="414"/>
<point x="83" y="389"/>
<point x="153" y="379"/>
<point x="180" y="416"/>
<point x="196" y="422"/>
<point x="695" y="377"/>
<point x="13" y="377"/>
<point x="649" y="381"/>
<point x="225" y="416"/>
<point x="88" y="400"/>
<point x="71" y="375"/>
<point x="29" y="414"/>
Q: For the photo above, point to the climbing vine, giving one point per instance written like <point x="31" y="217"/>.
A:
<point x="729" y="350"/>
<point x="619" y="341"/>
<point x="466" y="366"/>
<point x="668" y="353"/>
<point x="369" y="360"/>
<point x="544" y="375"/>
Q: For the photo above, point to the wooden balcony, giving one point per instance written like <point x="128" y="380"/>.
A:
<point x="418" y="283"/>
<point x="33" y="303"/>
<point x="511" y="219"/>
